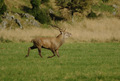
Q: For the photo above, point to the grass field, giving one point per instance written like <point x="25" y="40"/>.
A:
<point x="77" y="62"/>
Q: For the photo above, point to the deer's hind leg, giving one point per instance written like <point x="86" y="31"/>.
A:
<point x="33" y="47"/>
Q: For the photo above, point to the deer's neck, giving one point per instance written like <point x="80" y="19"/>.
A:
<point x="60" y="38"/>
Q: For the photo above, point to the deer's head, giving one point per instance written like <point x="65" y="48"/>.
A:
<point x="62" y="32"/>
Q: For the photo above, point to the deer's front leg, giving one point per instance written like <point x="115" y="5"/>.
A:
<point x="33" y="47"/>
<point x="57" y="53"/>
<point x="53" y="54"/>
<point x="39" y="50"/>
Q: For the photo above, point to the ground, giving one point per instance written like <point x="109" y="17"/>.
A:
<point x="77" y="62"/>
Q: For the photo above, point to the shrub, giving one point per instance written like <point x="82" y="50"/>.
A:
<point x="105" y="1"/>
<point x="75" y="5"/>
<point x="35" y="4"/>
<point x="45" y="1"/>
<point x="103" y="8"/>
<point x="92" y="15"/>
<point x="3" y="7"/>
<point x="0" y="19"/>
<point x="42" y="16"/>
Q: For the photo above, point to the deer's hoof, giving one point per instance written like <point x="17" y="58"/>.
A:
<point x="41" y="57"/>
<point x="26" y="56"/>
<point x="49" y="57"/>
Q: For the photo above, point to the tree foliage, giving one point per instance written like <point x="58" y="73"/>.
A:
<point x="92" y="15"/>
<point x="75" y="5"/>
<point x="40" y="14"/>
<point x="44" y="1"/>
<point x="3" y="8"/>
<point x="105" y="1"/>
<point x="35" y="4"/>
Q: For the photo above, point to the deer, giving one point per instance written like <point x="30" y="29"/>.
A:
<point x="51" y="43"/>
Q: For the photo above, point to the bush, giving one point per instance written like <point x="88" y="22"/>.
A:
<point x="0" y="19"/>
<point x="35" y="4"/>
<point x="103" y="8"/>
<point x="42" y="16"/>
<point x="105" y="1"/>
<point x="45" y="1"/>
<point x="75" y="5"/>
<point x="92" y="15"/>
<point x="3" y="7"/>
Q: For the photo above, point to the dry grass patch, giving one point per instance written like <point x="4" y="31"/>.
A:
<point x="26" y="34"/>
<point x="99" y="30"/>
<point x="88" y="30"/>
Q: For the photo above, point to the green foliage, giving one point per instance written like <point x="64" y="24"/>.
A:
<point x="35" y="4"/>
<point x="103" y="7"/>
<point x="16" y="10"/>
<point x="3" y="8"/>
<point x="0" y="19"/>
<point x="42" y="16"/>
<point x="105" y="1"/>
<point x="63" y="3"/>
<point x="77" y="62"/>
<point x="75" y="5"/>
<point x="45" y="1"/>
<point x="1" y="3"/>
<point x="92" y="15"/>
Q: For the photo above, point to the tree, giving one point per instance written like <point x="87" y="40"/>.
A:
<point x="35" y="4"/>
<point x="40" y="14"/>
<point x="75" y="5"/>
<point x="3" y="8"/>
<point x="44" y="1"/>
<point x="105" y="1"/>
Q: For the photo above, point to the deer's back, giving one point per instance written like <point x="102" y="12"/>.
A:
<point x="46" y="42"/>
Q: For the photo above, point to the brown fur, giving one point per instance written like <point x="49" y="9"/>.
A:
<point x="51" y="43"/>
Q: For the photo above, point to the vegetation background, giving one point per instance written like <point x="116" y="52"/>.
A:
<point x="90" y="54"/>
<point x="88" y="21"/>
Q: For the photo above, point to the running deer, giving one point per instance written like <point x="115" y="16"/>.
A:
<point x="51" y="43"/>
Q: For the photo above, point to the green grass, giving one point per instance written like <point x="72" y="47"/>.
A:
<point x="15" y="10"/>
<point x="77" y="62"/>
<point x="103" y="8"/>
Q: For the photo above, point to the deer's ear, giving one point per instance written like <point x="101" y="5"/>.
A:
<point x="61" y="32"/>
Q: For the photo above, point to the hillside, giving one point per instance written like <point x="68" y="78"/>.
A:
<point x="104" y="28"/>
<point x="100" y="8"/>
<point x="16" y="5"/>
